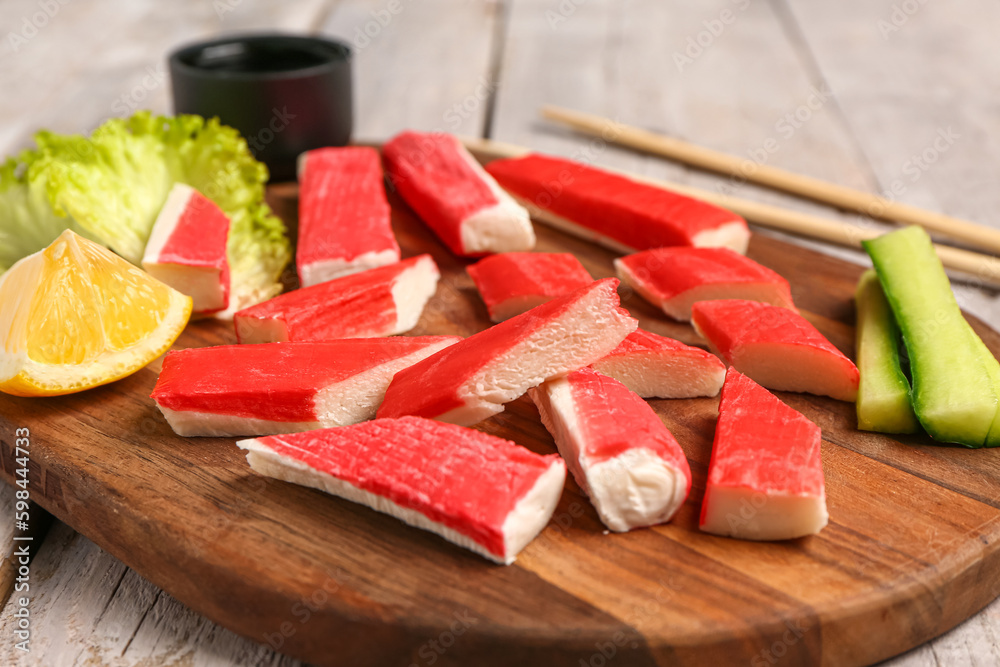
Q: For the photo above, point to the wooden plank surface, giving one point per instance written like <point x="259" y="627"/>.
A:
<point x="395" y="52"/>
<point x="926" y="126"/>
<point x="885" y="90"/>
<point x="136" y="622"/>
<point x="190" y="515"/>
<point x="126" y="44"/>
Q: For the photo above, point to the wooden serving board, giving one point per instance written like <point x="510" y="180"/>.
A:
<point x="910" y="551"/>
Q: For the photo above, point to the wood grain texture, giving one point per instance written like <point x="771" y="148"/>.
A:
<point x="887" y="94"/>
<point x="255" y="554"/>
<point x="109" y="615"/>
<point x="895" y="99"/>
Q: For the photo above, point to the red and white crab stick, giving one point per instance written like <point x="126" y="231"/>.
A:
<point x="473" y="379"/>
<point x="674" y="278"/>
<point x="620" y="453"/>
<point x="513" y="282"/>
<point x="230" y="390"/>
<point x="481" y="492"/>
<point x="765" y="478"/>
<point x="451" y="193"/>
<point x="344" y="217"/>
<point x="187" y="249"/>
<point x="619" y="212"/>
<point x="384" y="301"/>
<point x="776" y="347"/>
<point x="658" y="367"/>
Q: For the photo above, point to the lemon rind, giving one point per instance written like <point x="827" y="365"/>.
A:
<point x="41" y="379"/>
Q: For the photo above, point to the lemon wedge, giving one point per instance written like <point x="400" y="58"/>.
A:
<point x="75" y="315"/>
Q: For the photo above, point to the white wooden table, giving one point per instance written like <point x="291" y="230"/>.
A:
<point x="855" y="92"/>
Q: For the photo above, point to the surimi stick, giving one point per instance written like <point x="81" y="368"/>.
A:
<point x="478" y="491"/>
<point x="230" y="390"/>
<point x="473" y="379"/>
<point x="344" y="217"/>
<point x="765" y="479"/>
<point x="674" y="278"/>
<point x="513" y="282"/>
<point x="452" y="194"/>
<point x="187" y="249"/>
<point x="384" y="301"/>
<point x="658" y="367"/>
<point x="612" y="209"/>
<point x="776" y="347"/>
<point x="618" y="450"/>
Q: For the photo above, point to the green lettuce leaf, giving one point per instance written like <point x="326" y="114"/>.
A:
<point x="110" y="187"/>
<point x="27" y="221"/>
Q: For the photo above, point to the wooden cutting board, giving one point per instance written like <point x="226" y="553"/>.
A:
<point x="911" y="549"/>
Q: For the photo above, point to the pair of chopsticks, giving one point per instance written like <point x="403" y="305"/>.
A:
<point x="982" y="268"/>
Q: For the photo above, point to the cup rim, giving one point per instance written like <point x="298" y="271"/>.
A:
<point x="335" y="52"/>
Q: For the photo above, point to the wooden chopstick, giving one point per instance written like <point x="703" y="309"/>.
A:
<point x="974" y="234"/>
<point x="982" y="269"/>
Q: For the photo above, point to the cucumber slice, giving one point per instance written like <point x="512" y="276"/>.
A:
<point x="993" y="370"/>
<point x="953" y="392"/>
<point x="884" y="394"/>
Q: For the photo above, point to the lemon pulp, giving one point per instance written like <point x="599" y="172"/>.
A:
<point x="75" y="315"/>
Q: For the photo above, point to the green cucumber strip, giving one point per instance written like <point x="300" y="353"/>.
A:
<point x="883" y="403"/>
<point x="993" y="370"/>
<point x="953" y="393"/>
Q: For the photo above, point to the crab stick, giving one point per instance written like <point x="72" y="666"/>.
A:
<point x="765" y="478"/>
<point x="383" y="301"/>
<point x="674" y="278"/>
<point x="231" y="390"/>
<point x="620" y="453"/>
<point x="343" y="214"/>
<point x="657" y="367"/>
<point x="481" y="492"/>
<point x="187" y="249"/>
<point x="776" y="347"/>
<point x="619" y="212"/>
<point x="513" y="282"/>
<point x="473" y="379"/>
<point x="452" y="194"/>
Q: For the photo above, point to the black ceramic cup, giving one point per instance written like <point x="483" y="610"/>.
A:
<point x="285" y="93"/>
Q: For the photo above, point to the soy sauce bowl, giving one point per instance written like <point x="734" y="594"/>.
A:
<point x="286" y="94"/>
